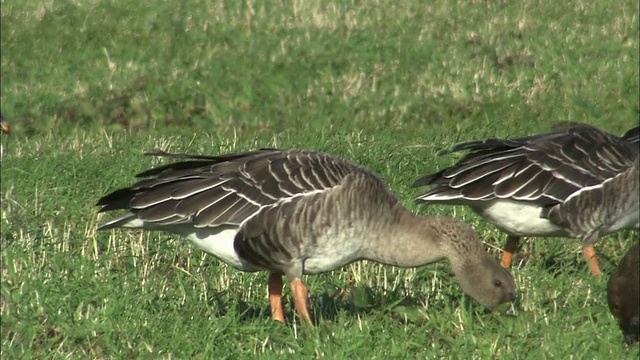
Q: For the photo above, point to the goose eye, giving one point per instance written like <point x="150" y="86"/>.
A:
<point x="497" y="283"/>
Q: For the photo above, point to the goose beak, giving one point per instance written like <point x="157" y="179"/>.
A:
<point x="5" y="127"/>
<point x="502" y="308"/>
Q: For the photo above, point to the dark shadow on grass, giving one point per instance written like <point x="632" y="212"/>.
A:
<point x="234" y="306"/>
<point x="325" y="306"/>
<point x="396" y="304"/>
<point x="568" y="265"/>
<point x="352" y="302"/>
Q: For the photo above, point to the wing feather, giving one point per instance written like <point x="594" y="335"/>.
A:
<point x="539" y="168"/>
<point x="210" y="191"/>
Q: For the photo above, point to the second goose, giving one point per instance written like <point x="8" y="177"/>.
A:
<point x="578" y="181"/>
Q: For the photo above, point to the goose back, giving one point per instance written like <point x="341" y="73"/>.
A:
<point x="212" y="191"/>
<point x="266" y="209"/>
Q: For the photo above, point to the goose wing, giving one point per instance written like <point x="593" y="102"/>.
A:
<point x="210" y="191"/>
<point x="542" y="169"/>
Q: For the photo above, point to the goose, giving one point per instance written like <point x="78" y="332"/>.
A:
<point x="297" y="212"/>
<point x="623" y="294"/>
<point x="577" y="181"/>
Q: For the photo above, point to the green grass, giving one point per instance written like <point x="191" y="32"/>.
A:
<point x="88" y="86"/>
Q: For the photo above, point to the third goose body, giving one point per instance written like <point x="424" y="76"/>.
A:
<point x="623" y="294"/>
<point x="296" y="212"/>
<point x="575" y="182"/>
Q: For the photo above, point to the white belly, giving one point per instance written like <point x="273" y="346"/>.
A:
<point x="519" y="219"/>
<point x="215" y="241"/>
<point x="219" y="243"/>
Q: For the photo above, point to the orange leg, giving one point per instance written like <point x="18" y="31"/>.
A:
<point x="509" y="249"/>
<point x="590" y="256"/>
<point x="275" y="297"/>
<point x="300" y="292"/>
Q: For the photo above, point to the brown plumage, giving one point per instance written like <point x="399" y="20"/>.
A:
<point x="623" y="294"/>
<point x="297" y="212"/>
<point x="577" y="181"/>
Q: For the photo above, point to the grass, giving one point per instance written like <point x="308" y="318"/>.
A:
<point x="90" y="85"/>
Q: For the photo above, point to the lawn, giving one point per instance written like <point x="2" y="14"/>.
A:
<point x="89" y="86"/>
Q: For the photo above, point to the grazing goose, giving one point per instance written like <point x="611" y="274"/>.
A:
<point x="297" y="212"/>
<point x="623" y="294"/>
<point x="574" y="182"/>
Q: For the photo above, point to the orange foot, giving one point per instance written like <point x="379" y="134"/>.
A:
<point x="300" y="292"/>
<point x="509" y="249"/>
<point x="590" y="256"/>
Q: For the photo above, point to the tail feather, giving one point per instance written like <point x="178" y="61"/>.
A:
<point x="196" y="160"/>
<point x="123" y="221"/>
<point x="116" y="200"/>
<point x="429" y="179"/>
<point x="632" y="136"/>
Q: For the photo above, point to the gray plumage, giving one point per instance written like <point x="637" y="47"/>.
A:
<point x="299" y="212"/>
<point x="600" y="207"/>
